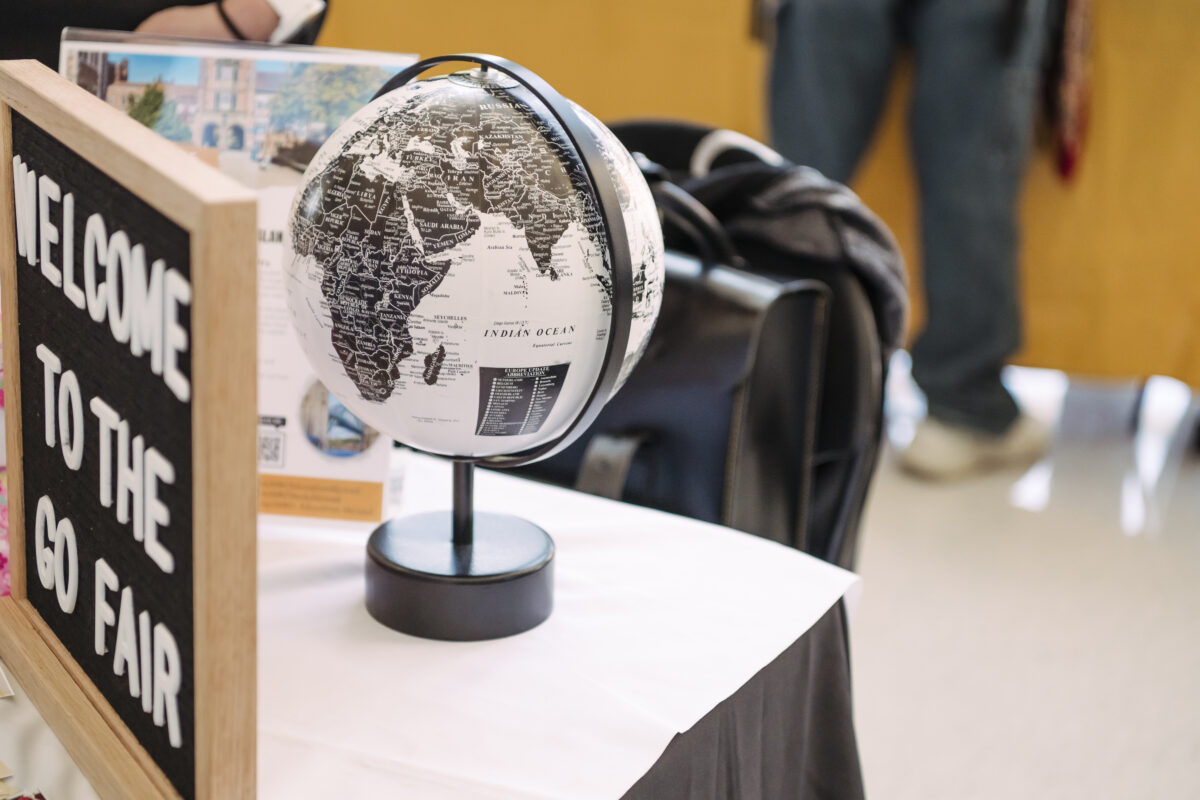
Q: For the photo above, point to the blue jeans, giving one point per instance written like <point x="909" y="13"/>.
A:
<point x="970" y="124"/>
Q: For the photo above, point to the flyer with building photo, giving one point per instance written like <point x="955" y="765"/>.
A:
<point x="259" y="113"/>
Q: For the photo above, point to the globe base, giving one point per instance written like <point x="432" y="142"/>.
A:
<point x="421" y="583"/>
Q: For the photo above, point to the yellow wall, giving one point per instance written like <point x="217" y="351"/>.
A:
<point x="597" y="52"/>
<point x="1111" y="263"/>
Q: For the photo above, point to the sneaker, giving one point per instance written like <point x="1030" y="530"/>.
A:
<point x="945" y="452"/>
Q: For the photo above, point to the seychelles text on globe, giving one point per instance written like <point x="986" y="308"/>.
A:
<point x="448" y="273"/>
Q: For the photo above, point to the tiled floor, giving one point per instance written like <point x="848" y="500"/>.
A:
<point x="1037" y="634"/>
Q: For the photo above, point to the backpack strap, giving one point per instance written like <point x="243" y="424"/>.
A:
<point x="719" y="142"/>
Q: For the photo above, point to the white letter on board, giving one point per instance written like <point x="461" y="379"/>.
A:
<point x="167" y="680"/>
<point x="48" y="191"/>
<point x="109" y="420"/>
<point x="70" y="287"/>
<point x="129" y="479"/>
<point x="51" y="367"/>
<point x="70" y="420"/>
<point x="66" y="566"/>
<point x="147" y="334"/>
<point x="95" y="250"/>
<point x="157" y="468"/>
<point x="105" y="579"/>
<point x="58" y="569"/>
<point x="120" y="264"/>
<point x="144" y="651"/>
<point x="44" y="524"/>
<point x="25" y="195"/>
<point x="176" y="292"/>
<point x="126" y="650"/>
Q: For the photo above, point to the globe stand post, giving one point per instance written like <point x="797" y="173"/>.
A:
<point x="463" y="576"/>
<point x="464" y="510"/>
<point x="458" y="575"/>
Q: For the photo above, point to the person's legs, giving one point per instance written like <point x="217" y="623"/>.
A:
<point x="971" y="125"/>
<point x="829" y="77"/>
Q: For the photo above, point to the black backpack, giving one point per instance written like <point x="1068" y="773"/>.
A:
<point x="758" y="402"/>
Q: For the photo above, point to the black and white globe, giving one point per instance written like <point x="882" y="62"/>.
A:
<point x="447" y="266"/>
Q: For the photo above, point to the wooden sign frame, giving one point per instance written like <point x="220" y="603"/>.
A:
<point x="219" y="216"/>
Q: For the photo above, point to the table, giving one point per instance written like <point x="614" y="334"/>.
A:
<point x="31" y="752"/>
<point x="682" y="660"/>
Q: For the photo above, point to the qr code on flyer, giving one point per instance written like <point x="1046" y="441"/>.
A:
<point x="270" y="448"/>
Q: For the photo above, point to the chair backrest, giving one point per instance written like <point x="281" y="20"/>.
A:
<point x="850" y="413"/>
<point x="729" y="371"/>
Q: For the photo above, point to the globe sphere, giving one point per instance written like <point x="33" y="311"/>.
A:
<point x="447" y="267"/>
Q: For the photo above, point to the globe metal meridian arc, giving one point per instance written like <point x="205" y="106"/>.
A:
<point x="614" y="223"/>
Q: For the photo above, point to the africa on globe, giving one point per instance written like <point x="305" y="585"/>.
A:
<point x="448" y="270"/>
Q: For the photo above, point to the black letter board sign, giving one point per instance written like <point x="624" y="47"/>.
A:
<point x="128" y="288"/>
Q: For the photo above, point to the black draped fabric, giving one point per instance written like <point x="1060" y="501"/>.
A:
<point x="787" y="734"/>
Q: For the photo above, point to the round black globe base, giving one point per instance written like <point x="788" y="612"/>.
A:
<point x="421" y="583"/>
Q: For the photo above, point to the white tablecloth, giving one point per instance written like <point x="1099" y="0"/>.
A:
<point x="657" y="620"/>
<point x="31" y="751"/>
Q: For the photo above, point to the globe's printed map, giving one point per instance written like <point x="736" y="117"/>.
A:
<point x="432" y="182"/>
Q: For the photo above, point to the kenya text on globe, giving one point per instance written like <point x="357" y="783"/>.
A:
<point x="448" y="274"/>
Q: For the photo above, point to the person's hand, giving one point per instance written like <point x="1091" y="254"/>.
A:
<point x="254" y="18"/>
